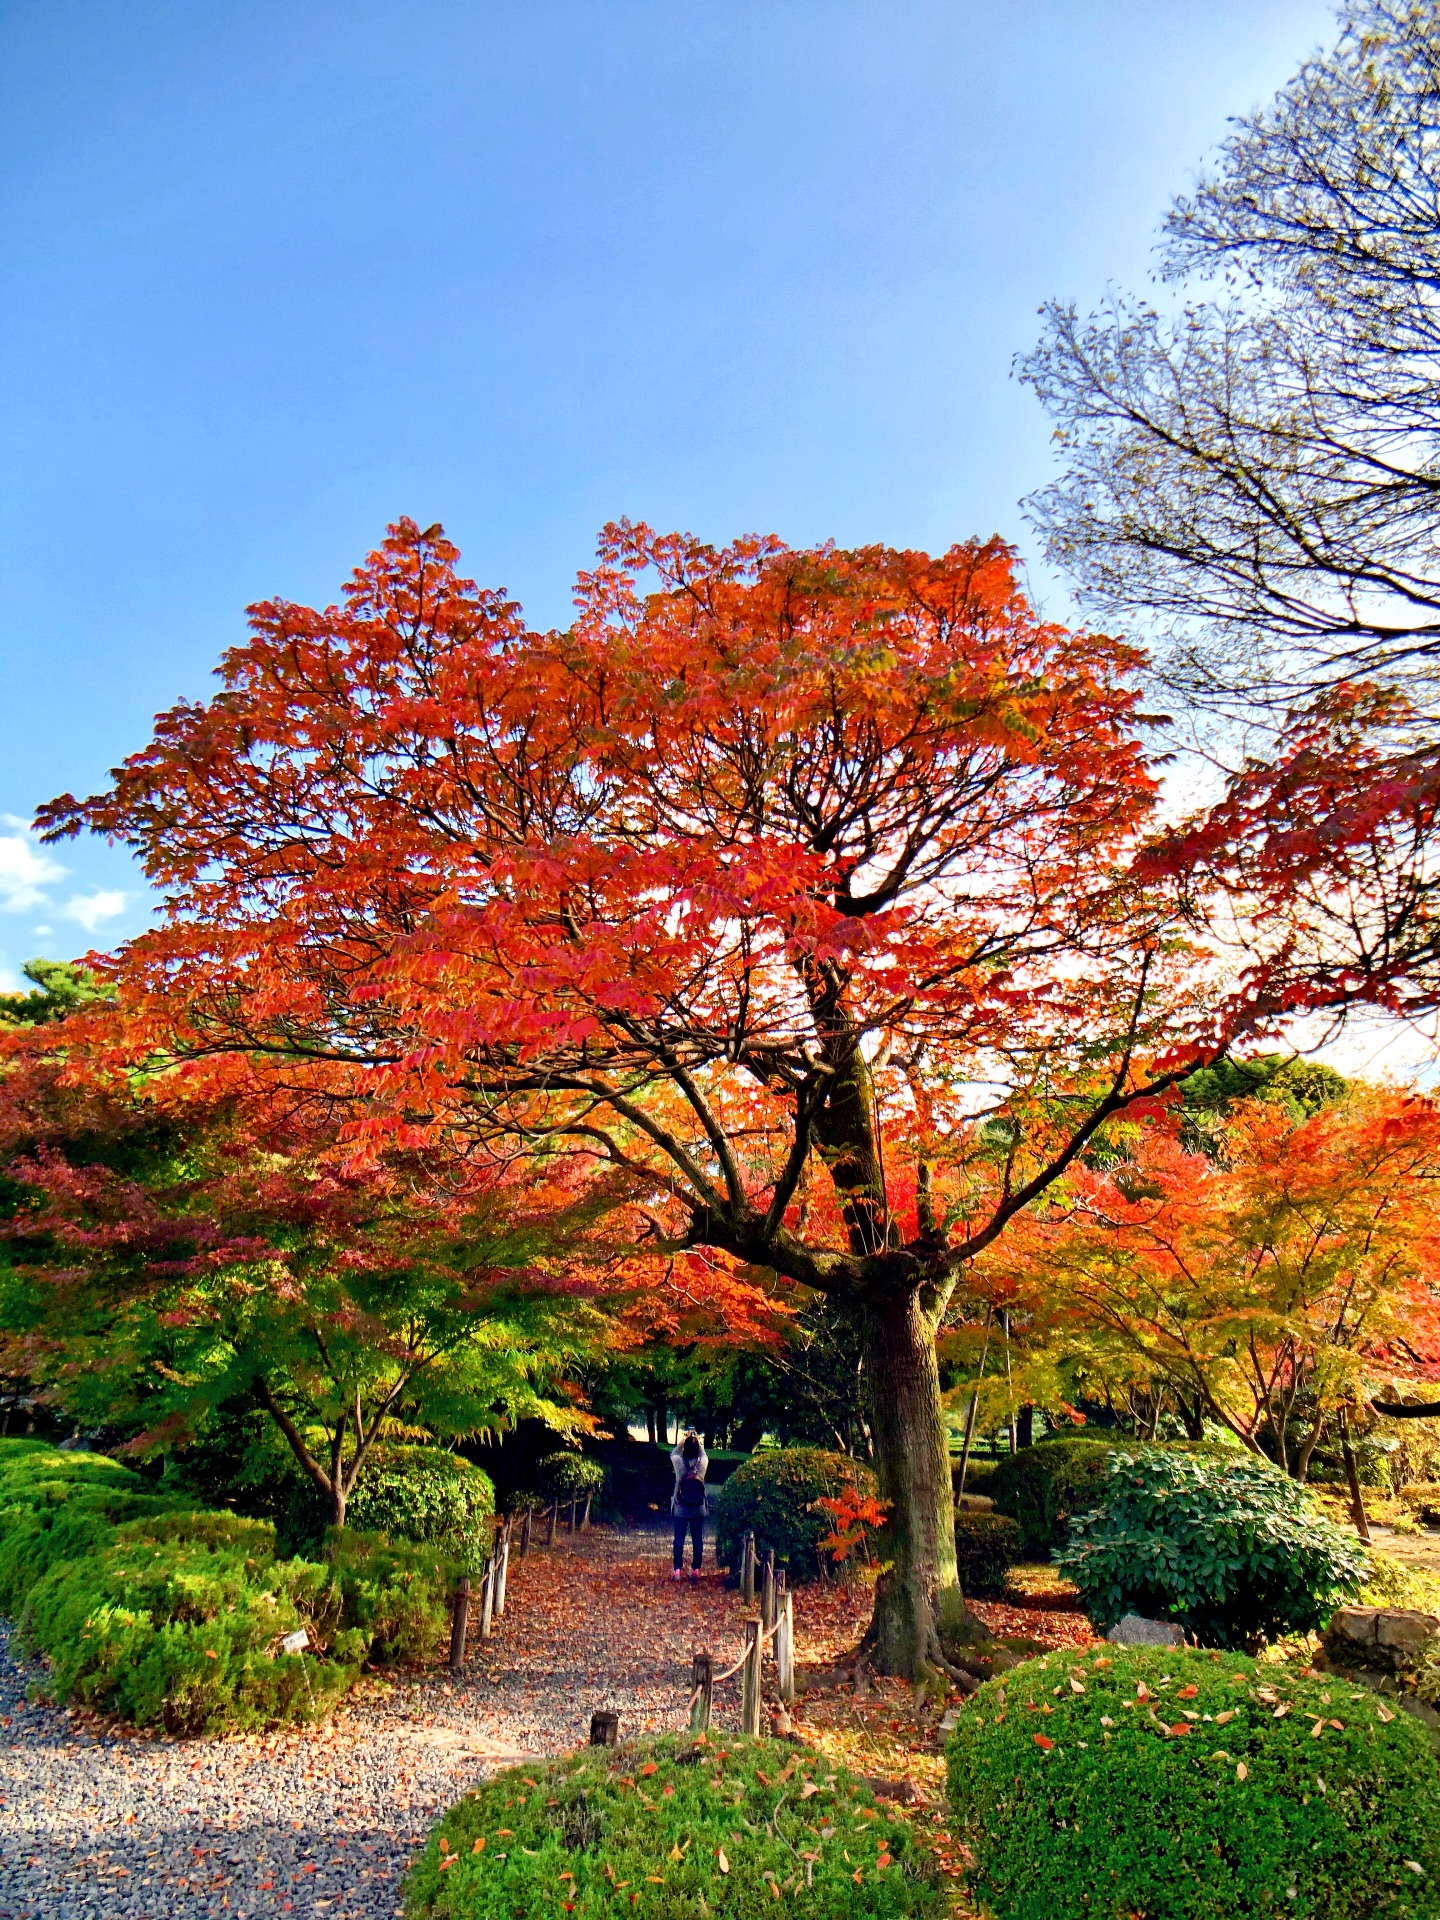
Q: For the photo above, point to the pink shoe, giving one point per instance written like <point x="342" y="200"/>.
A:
<point x="677" y="1574"/>
<point x="694" y="1573"/>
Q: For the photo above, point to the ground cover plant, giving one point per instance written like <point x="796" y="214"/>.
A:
<point x="775" y="1495"/>
<point x="1231" y="1548"/>
<point x="169" y="1615"/>
<point x="722" y="1826"/>
<point x="1197" y="1786"/>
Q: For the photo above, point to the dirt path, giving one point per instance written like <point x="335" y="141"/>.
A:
<point x="96" y="1824"/>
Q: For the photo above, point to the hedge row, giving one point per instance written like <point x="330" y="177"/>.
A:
<point x="1174" y="1784"/>
<point x="166" y="1614"/>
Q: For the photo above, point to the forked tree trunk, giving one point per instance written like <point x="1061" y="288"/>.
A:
<point x="912" y="1463"/>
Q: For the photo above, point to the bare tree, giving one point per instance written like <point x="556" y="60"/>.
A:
<point x="1256" y="467"/>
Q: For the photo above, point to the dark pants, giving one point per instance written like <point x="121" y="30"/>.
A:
<point x="697" y="1539"/>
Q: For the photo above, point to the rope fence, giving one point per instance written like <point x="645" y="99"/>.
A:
<point x="774" y="1625"/>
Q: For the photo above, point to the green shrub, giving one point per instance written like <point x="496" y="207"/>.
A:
<point x="168" y="1615"/>
<point x="566" y="1476"/>
<point x="1399" y="1583"/>
<point x="1232" y="1549"/>
<point x="428" y="1495"/>
<point x="774" y="1495"/>
<point x="987" y="1545"/>
<point x="645" y="1829"/>
<point x="1080" y="1800"/>
<point x="1041" y="1486"/>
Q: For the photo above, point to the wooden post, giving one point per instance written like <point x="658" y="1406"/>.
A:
<point x="525" y="1531"/>
<point x="585" y="1522"/>
<point x="747" y="1570"/>
<point x="487" y="1600"/>
<point x="604" y="1729"/>
<point x="573" y="1505"/>
<point x="554" y="1514"/>
<point x="459" y="1623"/>
<point x="767" y="1590"/>
<point x="750" y="1680"/>
<point x="785" y="1647"/>
<point x="702" y="1675"/>
<point x="502" y="1569"/>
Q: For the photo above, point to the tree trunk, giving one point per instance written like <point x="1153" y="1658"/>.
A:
<point x="1025" y="1427"/>
<point x="912" y="1463"/>
<point x="1352" y="1480"/>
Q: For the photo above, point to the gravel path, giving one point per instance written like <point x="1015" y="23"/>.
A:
<point x="97" y="1822"/>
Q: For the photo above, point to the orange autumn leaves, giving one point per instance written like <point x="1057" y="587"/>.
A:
<point x="1291" y="1276"/>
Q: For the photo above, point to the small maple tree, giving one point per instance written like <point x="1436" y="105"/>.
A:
<point x="797" y="890"/>
<point x="1280" y="1282"/>
<point x="169" y="1252"/>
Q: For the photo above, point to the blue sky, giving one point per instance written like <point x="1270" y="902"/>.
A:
<point x="274" y="274"/>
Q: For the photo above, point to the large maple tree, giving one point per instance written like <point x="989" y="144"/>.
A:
<point x="797" y="889"/>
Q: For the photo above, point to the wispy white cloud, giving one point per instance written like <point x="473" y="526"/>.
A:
<point x="91" y="910"/>
<point x="26" y="869"/>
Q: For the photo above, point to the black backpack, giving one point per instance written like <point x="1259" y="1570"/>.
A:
<point x="690" y="1494"/>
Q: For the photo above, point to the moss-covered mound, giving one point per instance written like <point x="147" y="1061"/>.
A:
<point x="727" y="1828"/>
<point x="1193" y="1786"/>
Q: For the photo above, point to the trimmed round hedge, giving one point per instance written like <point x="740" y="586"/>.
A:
<point x="730" y="1828"/>
<point x="1193" y="1786"/>
<point x="774" y="1494"/>
<point x="1041" y="1486"/>
<point x="170" y="1615"/>
<point x="987" y="1545"/>
<point x="429" y="1495"/>
<point x="569" y="1477"/>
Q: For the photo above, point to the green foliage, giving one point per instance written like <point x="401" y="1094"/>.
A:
<point x="568" y="1476"/>
<point x="1302" y="1087"/>
<point x="59" y="987"/>
<point x="429" y="1495"/>
<point x="774" y="1495"/>
<point x="987" y="1545"/>
<point x="1398" y="1583"/>
<point x="1232" y="1549"/>
<point x="1041" y="1486"/>
<point x="642" y="1830"/>
<point x="169" y="1615"/>
<point x="1241" y="1820"/>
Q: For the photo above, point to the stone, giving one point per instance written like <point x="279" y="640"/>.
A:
<point x="1355" y="1625"/>
<point x="1393" y="1638"/>
<point x="1136" y="1631"/>
<point x="974" y="1503"/>
<point x="1405" y="1633"/>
